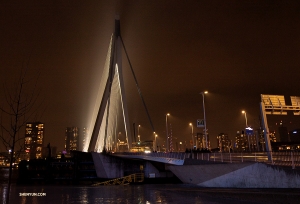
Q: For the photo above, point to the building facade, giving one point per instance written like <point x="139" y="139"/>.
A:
<point x="71" y="139"/>
<point x="223" y="142"/>
<point x="34" y="139"/>
<point x="241" y="142"/>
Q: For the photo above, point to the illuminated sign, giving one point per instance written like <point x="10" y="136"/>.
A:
<point x="249" y="131"/>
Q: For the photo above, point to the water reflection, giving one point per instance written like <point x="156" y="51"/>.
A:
<point x="130" y="194"/>
<point x="147" y="194"/>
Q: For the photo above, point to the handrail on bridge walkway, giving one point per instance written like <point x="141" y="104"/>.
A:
<point x="132" y="178"/>
<point x="282" y="158"/>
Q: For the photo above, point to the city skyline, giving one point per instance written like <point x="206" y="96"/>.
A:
<point x="236" y="51"/>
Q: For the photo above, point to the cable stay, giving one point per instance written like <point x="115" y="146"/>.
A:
<point x="137" y="85"/>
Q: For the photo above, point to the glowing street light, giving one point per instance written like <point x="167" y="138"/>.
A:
<point x="192" y="134"/>
<point x="244" y="112"/>
<point x="155" y="136"/>
<point x="139" y="133"/>
<point x="205" y="130"/>
<point x="167" y="141"/>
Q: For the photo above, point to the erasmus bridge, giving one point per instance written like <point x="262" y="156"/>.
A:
<point x="112" y="114"/>
<point x="245" y="170"/>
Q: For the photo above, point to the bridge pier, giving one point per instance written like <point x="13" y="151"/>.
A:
<point x="109" y="167"/>
<point x="238" y="175"/>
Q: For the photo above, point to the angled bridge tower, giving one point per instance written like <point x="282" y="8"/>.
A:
<point x="110" y="117"/>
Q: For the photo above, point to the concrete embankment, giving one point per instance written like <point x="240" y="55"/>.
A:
<point x="237" y="175"/>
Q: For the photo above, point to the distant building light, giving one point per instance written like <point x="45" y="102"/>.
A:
<point x="295" y="132"/>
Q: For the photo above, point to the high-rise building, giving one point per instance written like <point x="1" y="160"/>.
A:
<point x="248" y="140"/>
<point x="34" y="138"/>
<point x="252" y="139"/>
<point x="201" y="141"/>
<point x="241" y="141"/>
<point x="224" y="143"/>
<point x="71" y="139"/>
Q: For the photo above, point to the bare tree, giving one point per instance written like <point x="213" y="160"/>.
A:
<point x="19" y="108"/>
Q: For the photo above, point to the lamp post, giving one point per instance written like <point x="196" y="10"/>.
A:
<point x="155" y="142"/>
<point x="139" y="133"/>
<point x="205" y="132"/>
<point x="244" y="112"/>
<point x="167" y="141"/>
<point x="192" y="135"/>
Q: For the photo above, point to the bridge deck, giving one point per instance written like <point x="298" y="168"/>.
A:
<point x="180" y="158"/>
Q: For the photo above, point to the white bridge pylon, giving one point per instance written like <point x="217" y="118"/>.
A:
<point x="111" y="115"/>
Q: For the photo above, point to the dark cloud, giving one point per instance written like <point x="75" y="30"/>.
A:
<point x="236" y="50"/>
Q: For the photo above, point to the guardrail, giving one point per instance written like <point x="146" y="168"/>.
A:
<point x="288" y="158"/>
<point x="173" y="155"/>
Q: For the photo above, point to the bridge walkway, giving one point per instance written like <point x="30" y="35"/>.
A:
<point x="288" y="158"/>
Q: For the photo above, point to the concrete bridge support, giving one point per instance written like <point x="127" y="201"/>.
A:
<point x="238" y="175"/>
<point x="109" y="167"/>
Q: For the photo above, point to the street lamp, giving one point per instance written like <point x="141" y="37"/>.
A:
<point x="139" y="133"/>
<point x="155" y="142"/>
<point x="167" y="145"/>
<point x="192" y="134"/>
<point x="244" y="112"/>
<point x="205" y="132"/>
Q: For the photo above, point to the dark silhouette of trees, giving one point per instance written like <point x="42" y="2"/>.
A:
<point x="19" y="107"/>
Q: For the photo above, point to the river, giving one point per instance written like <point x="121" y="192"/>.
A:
<point x="142" y="194"/>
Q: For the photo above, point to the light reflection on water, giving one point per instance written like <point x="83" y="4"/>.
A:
<point x="148" y="194"/>
<point x="143" y="194"/>
<point x="130" y="194"/>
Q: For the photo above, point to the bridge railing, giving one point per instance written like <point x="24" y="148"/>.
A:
<point x="173" y="155"/>
<point x="288" y="158"/>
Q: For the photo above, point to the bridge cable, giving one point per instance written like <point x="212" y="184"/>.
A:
<point x="137" y="85"/>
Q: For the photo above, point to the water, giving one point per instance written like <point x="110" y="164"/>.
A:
<point x="145" y="194"/>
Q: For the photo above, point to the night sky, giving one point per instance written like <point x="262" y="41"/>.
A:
<point x="236" y="50"/>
